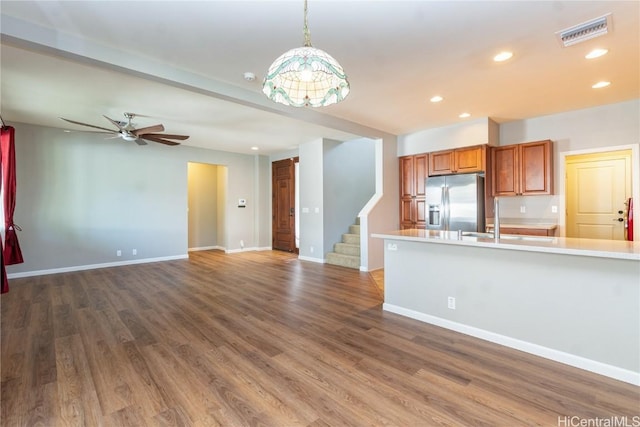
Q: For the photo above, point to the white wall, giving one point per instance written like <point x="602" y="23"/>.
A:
<point x="475" y="132"/>
<point x="311" y="201"/>
<point x="80" y="198"/>
<point x="381" y="213"/>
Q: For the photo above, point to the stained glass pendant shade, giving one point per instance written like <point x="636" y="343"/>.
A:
<point x="306" y="76"/>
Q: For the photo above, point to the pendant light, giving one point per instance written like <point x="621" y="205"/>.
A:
<point x="306" y="76"/>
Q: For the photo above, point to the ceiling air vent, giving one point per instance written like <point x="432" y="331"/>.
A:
<point x="585" y="31"/>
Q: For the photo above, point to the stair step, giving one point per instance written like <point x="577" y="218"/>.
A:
<point x="354" y="229"/>
<point x="343" y="260"/>
<point x="347" y="249"/>
<point x="353" y="239"/>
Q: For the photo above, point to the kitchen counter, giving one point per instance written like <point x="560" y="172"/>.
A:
<point x="575" y="301"/>
<point x="558" y="245"/>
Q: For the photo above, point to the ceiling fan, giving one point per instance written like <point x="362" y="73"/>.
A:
<point x="129" y="133"/>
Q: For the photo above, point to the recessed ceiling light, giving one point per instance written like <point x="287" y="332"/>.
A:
<point x="596" y="53"/>
<point x="503" y="56"/>
<point x="436" y="98"/>
<point x="255" y="148"/>
<point x="464" y="115"/>
<point x="601" y="85"/>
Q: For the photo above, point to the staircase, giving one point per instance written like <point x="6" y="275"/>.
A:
<point x="347" y="252"/>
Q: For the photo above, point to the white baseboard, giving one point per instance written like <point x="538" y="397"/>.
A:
<point x="206" y="248"/>
<point x="235" y="251"/>
<point x="307" y="258"/>
<point x="538" y="350"/>
<point x="92" y="266"/>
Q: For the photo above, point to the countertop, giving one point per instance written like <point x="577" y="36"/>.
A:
<point x="560" y="245"/>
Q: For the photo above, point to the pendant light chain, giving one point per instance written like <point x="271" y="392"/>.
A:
<point x="307" y="33"/>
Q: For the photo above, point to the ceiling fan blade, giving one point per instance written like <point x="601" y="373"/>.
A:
<point x="140" y="142"/>
<point x="113" y="122"/>
<point x="160" y="140"/>
<point x="91" y="126"/>
<point x="149" y="129"/>
<point x="168" y="136"/>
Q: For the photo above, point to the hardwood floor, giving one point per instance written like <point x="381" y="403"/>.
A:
<point x="263" y="339"/>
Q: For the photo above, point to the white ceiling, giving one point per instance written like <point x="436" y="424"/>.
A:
<point x="181" y="63"/>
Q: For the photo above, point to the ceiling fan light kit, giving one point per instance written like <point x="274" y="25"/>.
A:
<point x="129" y="133"/>
<point x="306" y="76"/>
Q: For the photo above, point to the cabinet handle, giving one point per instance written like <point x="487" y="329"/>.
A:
<point x="618" y="219"/>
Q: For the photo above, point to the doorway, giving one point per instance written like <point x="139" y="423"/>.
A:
<point x="206" y="195"/>
<point x="597" y="188"/>
<point x="284" y="205"/>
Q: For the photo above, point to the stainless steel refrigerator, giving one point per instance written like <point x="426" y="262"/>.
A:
<point x="455" y="202"/>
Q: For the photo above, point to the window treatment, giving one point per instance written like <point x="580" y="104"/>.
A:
<point x="11" y="251"/>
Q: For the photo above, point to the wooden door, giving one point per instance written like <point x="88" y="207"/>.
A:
<point x="283" y="205"/>
<point x="597" y="187"/>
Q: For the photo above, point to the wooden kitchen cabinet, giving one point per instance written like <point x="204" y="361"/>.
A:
<point x="413" y="172"/>
<point x="522" y="169"/>
<point x="525" y="231"/>
<point x="460" y="160"/>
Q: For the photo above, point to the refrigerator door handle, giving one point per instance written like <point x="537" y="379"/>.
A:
<point x="445" y="207"/>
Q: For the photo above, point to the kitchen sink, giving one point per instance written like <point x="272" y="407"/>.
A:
<point x="507" y="236"/>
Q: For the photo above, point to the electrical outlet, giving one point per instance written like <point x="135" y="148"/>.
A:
<point x="451" y="303"/>
<point x="392" y="247"/>
<point x="554" y="209"/>
<point x="134" y="252"/>
<point x="523" y="209"/>
<point x="311" y="249"/>
<point x="118" y="252"/>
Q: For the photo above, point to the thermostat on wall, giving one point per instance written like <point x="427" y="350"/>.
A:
<point x="242" y="203"/>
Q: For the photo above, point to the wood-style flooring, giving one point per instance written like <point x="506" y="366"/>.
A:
<point x="264" y="339"/>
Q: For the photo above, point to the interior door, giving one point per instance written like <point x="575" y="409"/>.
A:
<point x="597" y="187"/>
<point x="283" y="205"/>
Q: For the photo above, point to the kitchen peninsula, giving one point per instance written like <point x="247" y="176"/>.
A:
<point x="576" y="301"/>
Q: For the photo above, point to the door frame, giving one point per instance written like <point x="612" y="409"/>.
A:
<point x="561" y="178"/>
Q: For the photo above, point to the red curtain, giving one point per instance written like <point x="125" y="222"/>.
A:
<point x="11" y="252"/>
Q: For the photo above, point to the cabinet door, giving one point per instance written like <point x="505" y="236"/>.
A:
<point x="441" y="163"/>
<point x="536" y="168"/>
<point x="420" y="171"/>
<point x="406" y="211"/>
<point x="470" y="159"/>
<point x="406" y="177"/>
<point x="524" y="231"/>
<point x="420" y="213"/>
<point x="504" y="161"/>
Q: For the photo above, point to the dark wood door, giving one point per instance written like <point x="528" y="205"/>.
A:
<point x="283" y="205"/>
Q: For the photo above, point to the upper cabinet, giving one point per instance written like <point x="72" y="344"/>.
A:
<point x="460" y="160"/>
<point x="522" y="169"/>
<point x="413" y="171"/>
